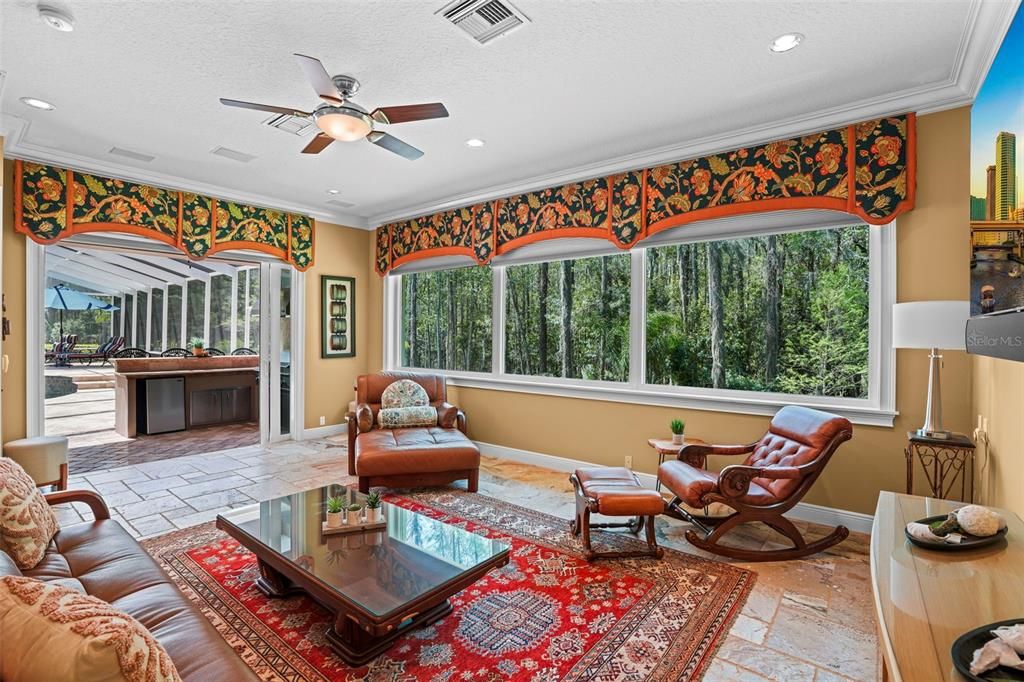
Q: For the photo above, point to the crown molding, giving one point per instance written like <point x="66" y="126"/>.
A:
<point x="984" y="30"/>
<point x="15" y="130"/>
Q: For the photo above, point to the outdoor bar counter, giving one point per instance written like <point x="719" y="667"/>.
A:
<point x="201" y="392"/>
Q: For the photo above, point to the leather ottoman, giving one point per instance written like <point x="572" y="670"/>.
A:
<point x="615" y="491"/>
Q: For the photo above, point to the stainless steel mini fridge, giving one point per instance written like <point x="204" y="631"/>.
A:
<point x="161" y="405"/>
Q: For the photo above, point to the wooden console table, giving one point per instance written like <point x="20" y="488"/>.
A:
<point x="925" y="599"/>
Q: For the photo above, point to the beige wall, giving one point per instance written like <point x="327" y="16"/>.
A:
<point x="998" y="394"/>
<point x="13" y="409"/>
<point x="933" y="263"/>
<point x="340" y="251"/>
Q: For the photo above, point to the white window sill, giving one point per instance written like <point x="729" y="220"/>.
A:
<point x="737" y="402"/>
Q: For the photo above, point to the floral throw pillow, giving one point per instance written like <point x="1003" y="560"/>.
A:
<point x="399" y="417"/>
<point x="404" y="393"/>
<point x="57" y="634"/>
<point x="27" y="523"/>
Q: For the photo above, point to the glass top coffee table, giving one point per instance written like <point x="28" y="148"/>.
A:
<point x="379" y="584"/>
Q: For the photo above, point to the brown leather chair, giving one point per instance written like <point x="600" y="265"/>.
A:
<point x="778" y="471"/>
<point x="409" y="456"/>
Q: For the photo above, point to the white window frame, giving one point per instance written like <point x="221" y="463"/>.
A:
<point x="878" y="409"/>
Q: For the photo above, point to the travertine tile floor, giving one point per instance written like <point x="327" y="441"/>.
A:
<point x="805" y="621"/>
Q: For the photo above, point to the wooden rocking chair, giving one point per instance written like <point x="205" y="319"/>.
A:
<point x="779" y="470"/>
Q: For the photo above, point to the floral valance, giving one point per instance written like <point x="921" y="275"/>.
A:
<point x="866" y="169"/>
<point x="54" y="203"/>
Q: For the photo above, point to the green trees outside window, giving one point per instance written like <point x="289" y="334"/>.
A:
<point x="569" y="318"/>
<point x="784" y="313"/>
<point x="781" y="313"/>
<point x="446" y="319"/>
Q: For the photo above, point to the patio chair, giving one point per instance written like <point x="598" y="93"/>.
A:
<point x="244" y="351"/>
<point x="777" y="472"/>
<point x="102" y="353"/>
<point x="214" y="351"/>
<point x="176" y="353"/>
<point x="131" y="353"/>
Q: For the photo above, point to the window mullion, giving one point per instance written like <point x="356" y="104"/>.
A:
<point x="637" y="315"/>
<point x="498" y="282"/>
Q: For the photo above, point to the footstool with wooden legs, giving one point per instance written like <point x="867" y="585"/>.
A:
<point x="615" y="491"/>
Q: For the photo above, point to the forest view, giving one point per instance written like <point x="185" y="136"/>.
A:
<point x="783" y="313"/>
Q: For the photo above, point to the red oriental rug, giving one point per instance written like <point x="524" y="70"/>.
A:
<point x="548" y="615"/>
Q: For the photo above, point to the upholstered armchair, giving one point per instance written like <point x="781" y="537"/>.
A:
<point x="776" y="473"/>
<point x="409" y="456"/>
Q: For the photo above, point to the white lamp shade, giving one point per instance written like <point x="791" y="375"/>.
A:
<point x="930" y="324"/>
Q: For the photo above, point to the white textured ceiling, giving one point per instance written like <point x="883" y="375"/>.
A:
<point x="584" y="83"/>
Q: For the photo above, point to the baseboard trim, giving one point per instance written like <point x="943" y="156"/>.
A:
<point x="320" y="432"/>
<point x="805" y="511"/>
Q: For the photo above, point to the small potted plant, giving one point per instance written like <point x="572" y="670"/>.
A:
<point x="677" y="426"/>
<point x="355" y="513"/>
<point x="374" y="514"/>
<point x="335" y="512"/>
<point x="198" y="347"/>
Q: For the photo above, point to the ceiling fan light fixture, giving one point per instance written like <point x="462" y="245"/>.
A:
<point x="344" y="124"/>
<point x="786" y="42"/>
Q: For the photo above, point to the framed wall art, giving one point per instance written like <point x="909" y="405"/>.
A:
<point x="337" y="317"/>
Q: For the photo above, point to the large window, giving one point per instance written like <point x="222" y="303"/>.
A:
<point x="773" y="318"/>
<point x="569" y="319"/>
<point x="782" y="313"/>
<point x="446" y="320"/>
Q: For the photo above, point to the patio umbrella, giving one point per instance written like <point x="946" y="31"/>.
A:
<point x="61" y="298"/>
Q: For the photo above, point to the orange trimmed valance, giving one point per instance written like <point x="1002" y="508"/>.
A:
<point x="52" y="203"/>
<point x="866" y="169"/>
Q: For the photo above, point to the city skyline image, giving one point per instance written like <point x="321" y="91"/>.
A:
<point x="997" y="180"/>
<point x="999" y="108"/>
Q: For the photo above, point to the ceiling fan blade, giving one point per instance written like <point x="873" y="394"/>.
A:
<point x="409" y="112"/>
<point x="263" y="107"/>
<point x="393" y="144"/>
<point x="318" y="77"/>
<point x="317" y="144"/>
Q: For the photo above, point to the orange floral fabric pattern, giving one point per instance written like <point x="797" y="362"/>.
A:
<point x="53" y="203"/>
<point x="27" y="524"/>
<point x="865" y="170"/>
<point x="86" y="637"/>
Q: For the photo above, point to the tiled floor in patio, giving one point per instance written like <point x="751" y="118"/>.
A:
<point x="86" y="417"/>
<point x="805" y="621"/>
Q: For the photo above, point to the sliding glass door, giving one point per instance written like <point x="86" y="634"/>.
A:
<point x="278" y="369"/>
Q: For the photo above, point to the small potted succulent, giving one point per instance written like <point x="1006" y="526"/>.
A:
<point x="374" y="514"/>
<point x="198" y="347"/>
<point x="355" y="514"/>
<point x="677" y="426"/>
<point x="335" y="512"/>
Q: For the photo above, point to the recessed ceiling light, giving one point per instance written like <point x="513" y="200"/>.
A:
<point x="786" y="42"/>
<point x="333" y="191"/>
<point x="56" y="19"/>
<point x="37" y="103"/>
<point x="475" y="142"/>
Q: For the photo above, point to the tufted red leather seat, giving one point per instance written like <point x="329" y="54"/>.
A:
<point x="778" y="470"/>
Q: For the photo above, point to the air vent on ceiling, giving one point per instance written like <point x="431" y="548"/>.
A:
<point x="483" y="20"/>
<point x="232" y="154"/>
<point x="129" y="154"/>
<point x="295" y="125"/>
<point x="341" y="203"/>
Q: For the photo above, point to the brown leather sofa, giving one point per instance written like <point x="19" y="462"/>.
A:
<point x="409" y="456"/>
<point x="112" y="566"/>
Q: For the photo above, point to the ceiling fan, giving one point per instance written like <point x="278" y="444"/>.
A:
<point x="339" y="118"/>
